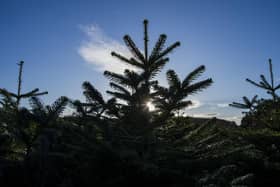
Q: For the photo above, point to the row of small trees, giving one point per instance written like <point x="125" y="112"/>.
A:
<point x="119" y="141"/>
<point x="40" y="138"/>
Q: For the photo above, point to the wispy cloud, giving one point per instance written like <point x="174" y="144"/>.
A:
<point x="205" y="115"/>
<point x="222" y="105"/>
<point x="236" y="119"/>
<point x="195" y="104"/>
<point x="96" y="50"/>
<point x="219" y="109"/>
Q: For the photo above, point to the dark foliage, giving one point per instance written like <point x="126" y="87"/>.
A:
<point x="262" y="112"/>
<point x="120" y="142"/>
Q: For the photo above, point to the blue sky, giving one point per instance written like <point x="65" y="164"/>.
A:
<point x="65" y="42"/>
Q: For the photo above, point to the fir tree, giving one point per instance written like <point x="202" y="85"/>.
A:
<point x="172" y="98"/>
<point x="95" y="106"/>
<point x="134" y="87"/>
<point x="15" y="98"/>
<point x="271" y="88"/>
<point x="262" y="112"/>
<point x="247" y="104"/>
<point x="18" y="119"/>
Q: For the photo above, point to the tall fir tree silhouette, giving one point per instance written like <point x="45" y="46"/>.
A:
<point x="134" y="87"/>
<point x="149" y="66"/>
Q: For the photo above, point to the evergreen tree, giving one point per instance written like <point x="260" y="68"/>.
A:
<point x="271" y="88"/>
<point x="172" y="98"/>
<point x="15" y="98"/>
<point x="45" y="115"/>
<point x="95" y="105"/>
<point x="17" y="120"/>
<point x="134" y="88"/>
<point x="247" y="104"/>
<point x="262" y="112"/>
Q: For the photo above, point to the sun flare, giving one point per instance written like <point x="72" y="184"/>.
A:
<point x="150" y="106"/>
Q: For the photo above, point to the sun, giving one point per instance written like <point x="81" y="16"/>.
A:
<point x="150" y="106"/>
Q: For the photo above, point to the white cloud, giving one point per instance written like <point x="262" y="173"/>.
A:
<point x="236" y="119"/>
<point x="204" y="115"/>
<point x="222" y="105"/>
<point x="97" y="50"/>
<point x="195" y="104"/>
